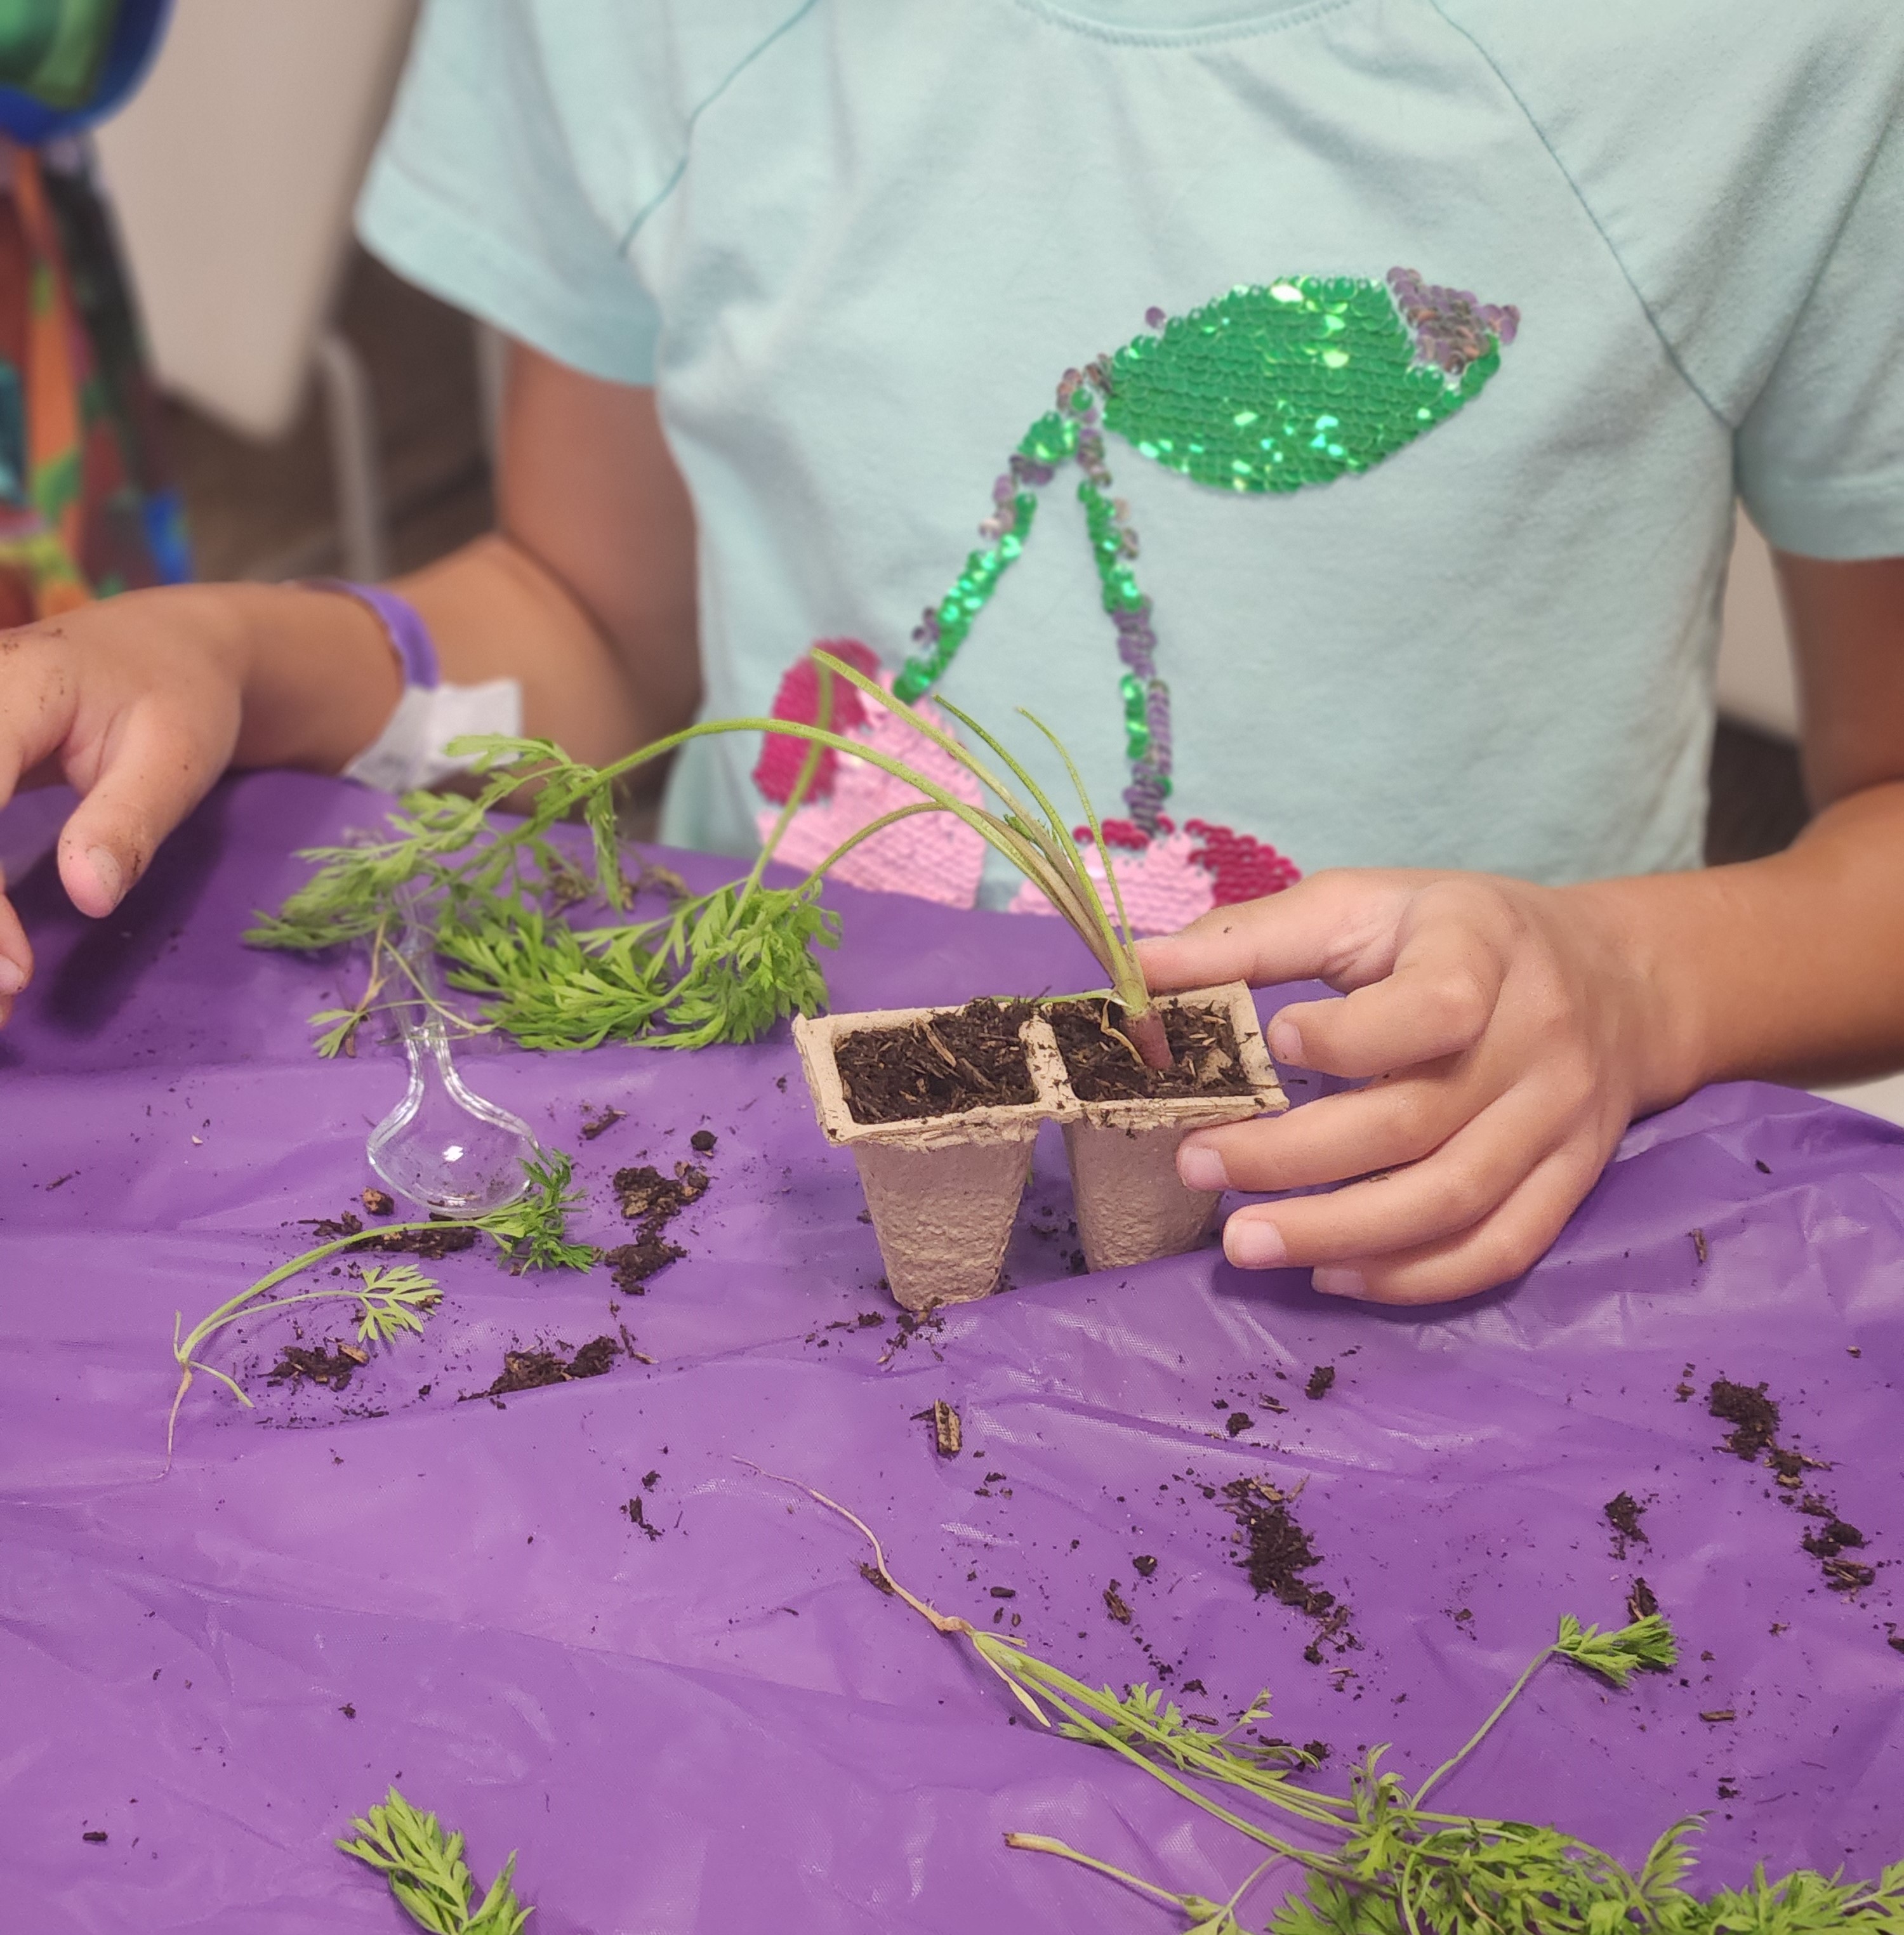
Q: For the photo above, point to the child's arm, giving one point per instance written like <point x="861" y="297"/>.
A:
<point x="585" y="594"/>
<point x="1512" y="1032"/>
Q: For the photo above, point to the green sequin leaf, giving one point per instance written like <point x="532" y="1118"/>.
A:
<point x="1270" y="388"/>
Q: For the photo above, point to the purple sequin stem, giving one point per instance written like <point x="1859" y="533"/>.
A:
<point x="1136" y="642"/>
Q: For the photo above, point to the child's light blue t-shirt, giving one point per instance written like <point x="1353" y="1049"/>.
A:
<point x="856" y="244"/>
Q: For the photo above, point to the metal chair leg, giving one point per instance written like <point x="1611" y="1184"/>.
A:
<point x="362" y="537"/>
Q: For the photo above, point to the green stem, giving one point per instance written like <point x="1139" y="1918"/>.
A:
<point x="1190" y="1904"/>
<point x="1093" y="1728"/>
<point x="1486" y="1726"/>
<point x="809" y="767"/>
<point x="185" y="1353"/>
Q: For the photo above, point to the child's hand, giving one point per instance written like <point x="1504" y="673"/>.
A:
<point x="136" y="703"/>
<point x="1507" y="1037"/>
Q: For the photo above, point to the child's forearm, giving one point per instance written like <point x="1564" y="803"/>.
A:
<point x="1790" y="967"/>
<point x="320" y="679"/>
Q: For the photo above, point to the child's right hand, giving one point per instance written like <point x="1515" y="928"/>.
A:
<point x="136" y="704"/>
<point x="140" y="702"/>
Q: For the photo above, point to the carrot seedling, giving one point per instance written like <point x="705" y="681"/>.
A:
<point x="1377" y="1861"/>
<point x="531" y="1233"/>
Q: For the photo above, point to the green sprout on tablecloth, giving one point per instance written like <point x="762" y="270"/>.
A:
<point x="531" y="1233"/>
<point x="1377" y="1861"/>
<point x="428" y="1874"/>
<point x="495" y="892"/>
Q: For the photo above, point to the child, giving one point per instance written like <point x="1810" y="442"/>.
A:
<point x="1423" y="341"/>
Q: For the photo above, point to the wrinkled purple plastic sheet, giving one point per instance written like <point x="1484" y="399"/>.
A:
<point x="724" y="1727"/>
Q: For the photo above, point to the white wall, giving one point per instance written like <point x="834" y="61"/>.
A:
<point x="233" y="171"/>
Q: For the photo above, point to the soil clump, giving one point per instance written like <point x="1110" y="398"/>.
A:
<point x="940" y="1066"/>
<point x="651" y="1201"/>
<point x="534" y="1370"/>
<point x="1623" y="1511"/>
<point x="438" y="1241"/>
<point x="1753" y="1416"/>
<point x="304" y="1363"/>
<point x="1277" y="1551"/>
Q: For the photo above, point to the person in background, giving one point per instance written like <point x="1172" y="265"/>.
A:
<point x="1451" y="332"/>
<point x="88" y="506"/>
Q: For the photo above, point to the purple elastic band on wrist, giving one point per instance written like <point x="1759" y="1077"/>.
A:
<point x="403" y="624"/>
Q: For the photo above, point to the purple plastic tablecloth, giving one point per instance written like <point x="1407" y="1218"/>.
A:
<point x="723" y="1727"/>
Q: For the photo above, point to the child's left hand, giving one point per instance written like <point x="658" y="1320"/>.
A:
<point x="1507" y="1034"/>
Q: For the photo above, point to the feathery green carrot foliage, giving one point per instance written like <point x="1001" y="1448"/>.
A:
<point x="531" y="1233"/>
<point x="497" y="893"/>
<point x="428" y="1874"/>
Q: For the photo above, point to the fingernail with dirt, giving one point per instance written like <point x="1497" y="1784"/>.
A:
<point x="1201" y="1166"/>
<point x="1254" y="1245"/>
<point x="1285" y="1040"/>
<point x="1341" y="1283"/>
<point x="107" y="871"/>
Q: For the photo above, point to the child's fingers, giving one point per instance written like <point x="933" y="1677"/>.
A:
<point x="39" y="699"/>
<point x="1494" y="1251"/>
<point x="153" y="772"/>
<point x="1475" y="1171"/>
<point x="1330" y="1139"/>
<point x="1436" y="1001"/>
<point x="1339" y="927"/>
<point x="16" y="955"/>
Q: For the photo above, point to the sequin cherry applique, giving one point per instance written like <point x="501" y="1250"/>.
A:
<point x="934" y="856"/>
<point x="1167" y="879"/>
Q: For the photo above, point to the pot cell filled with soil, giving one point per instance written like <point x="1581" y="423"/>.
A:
<point x="940" y="1107"/>
<point x="1122" y="1137"/>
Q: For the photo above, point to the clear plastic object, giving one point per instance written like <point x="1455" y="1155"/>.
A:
<point x="442" y="1146"/>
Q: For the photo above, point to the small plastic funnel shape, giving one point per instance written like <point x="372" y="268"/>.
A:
<point x="442" y="1146"/>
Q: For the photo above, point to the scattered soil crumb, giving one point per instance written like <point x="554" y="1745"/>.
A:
<point x="1321" y="1379"/>
<point x="638" y="1518"/>
<point x="95" y="1835"/>
<point x="312" y="1364"/>
<point x="378" y="1203"/>
<point x="1754" y="1418"/>
<point x="942" y="1065"/>
<point x="1641" y="1603"/>
<point x="1114" y="1604"/>
<point x="1623" y="1512"/>
<point x="874" y="1576"/>
<point x="1713" y="1716"/>
<point x="948" y="1435"/>
<point x="702" y="1142"/>
<point x="601" y="1123"/>
<point x="1145" y="1564"/>
<point x="1237" y="1422"/>
<point x="1699" y="1245"/>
